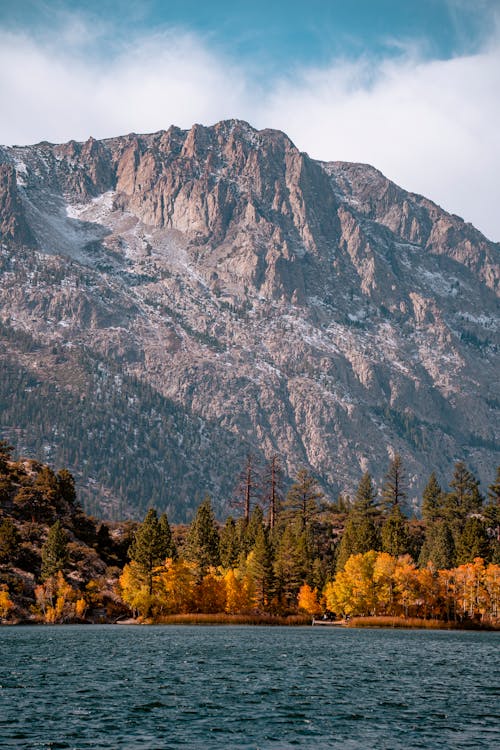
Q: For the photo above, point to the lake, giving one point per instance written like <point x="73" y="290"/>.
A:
<point x="229" y="687"/>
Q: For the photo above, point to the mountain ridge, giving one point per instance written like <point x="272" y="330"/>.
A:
<point x="312" y="309"/>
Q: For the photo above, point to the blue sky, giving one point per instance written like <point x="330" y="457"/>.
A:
<point x="410" y="86"/>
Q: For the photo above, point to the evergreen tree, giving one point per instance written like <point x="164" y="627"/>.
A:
<point x="66" y="487"/>
<point x="394" y="533"/>
<point x="473" y="541"/>
<point x="260" y="568"/>
<point x="432" y="500"/>
<point x="439" y="546"/>
<point x="229" y="544"/>
<point x="464" y="497"/>
<point x="360" y="533"/>
<point x="9" y="541"/>
<point x="5" y="455"/>
<point x="148" y="547"/>
<point x="202" y="544"/>
<point x="290" y="563"/>
<point x="494" y="490"/>
<point x="303" y="497"/>
<point x="248" y="532"/>
<point x="167" y="546"/>
<point x="395" y="485"/>
<point x="365" y="500"/>
<point x="492" y="509"/>
<point x="48" y="485"/>
<point x="54" y="551"/>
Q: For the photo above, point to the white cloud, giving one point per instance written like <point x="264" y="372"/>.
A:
<point x="432" y="126"/>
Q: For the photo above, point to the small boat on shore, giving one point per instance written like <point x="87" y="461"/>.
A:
<point x="329" y="623"/>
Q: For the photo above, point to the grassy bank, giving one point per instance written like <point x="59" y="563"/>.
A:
<point x="417" y="622"/>
<point x="224" y="619"/>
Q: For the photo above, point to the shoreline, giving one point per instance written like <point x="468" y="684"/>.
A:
<point x="372" y="623"/>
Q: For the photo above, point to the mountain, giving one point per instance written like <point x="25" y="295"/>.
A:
<point x="171" y="301"/>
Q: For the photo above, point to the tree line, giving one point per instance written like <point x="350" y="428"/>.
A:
<point x="279" y="552"/>
<point x="301" y="552"/>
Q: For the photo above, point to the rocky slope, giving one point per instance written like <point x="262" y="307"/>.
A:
<point x="190" y="295"/>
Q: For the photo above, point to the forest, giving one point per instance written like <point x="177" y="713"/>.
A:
<point x="284" y="553"/>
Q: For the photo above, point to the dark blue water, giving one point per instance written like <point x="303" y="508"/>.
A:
<point x="247" y="687"/>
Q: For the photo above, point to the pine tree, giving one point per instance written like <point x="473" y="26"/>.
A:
<point x="395" y="485"/>
<point x="439" y="546"/>
<point x="148" y="547"/>
<point x="394" y="533"/>
<point x="473" y="541"/>
<point x="167" y="546"/>
<point x="229" y="544"/>
<point x="54" y="551"/>
<point x="360" y="533"/>
<point x="494" y="489"/>
<point x="202" y="544"/>
<point x="5" y="455"/>
<point x="492" y="509"/>
<point x="66" y="486"/>
<point x="365" y="500"/>
<point x="9" y="541"/>
<point x="303" y="497"/>
<point x="248" y="532"/>
<point x="432" y="500"/>
<point x="260" y="568"/>
<point x="290" y="563"/>
<point x="464" y="497"/>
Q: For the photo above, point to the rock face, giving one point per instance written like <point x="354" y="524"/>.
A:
<point x="223" y="292"/>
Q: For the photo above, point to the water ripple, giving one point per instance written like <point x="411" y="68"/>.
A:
<point x="247" y="688"/>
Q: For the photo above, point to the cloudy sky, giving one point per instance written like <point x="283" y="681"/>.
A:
<point x="410" y="86"/>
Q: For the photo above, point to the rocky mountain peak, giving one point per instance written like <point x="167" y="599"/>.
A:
<point x="261" y="299"/>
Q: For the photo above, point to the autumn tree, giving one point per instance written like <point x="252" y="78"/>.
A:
<point x="6" y="604"/>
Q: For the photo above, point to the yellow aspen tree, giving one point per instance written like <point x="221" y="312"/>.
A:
<point x="383" y="576"/>
<point x="6" y="604"/>
<point x="239" y="592"/>
<point x="211" y="593"/>
<point x="430" y="591"/>
<point x="80" y="608"/>
<point x="308" y="600"/>
<point x="134" y="589"/>
<point x="406" y="580"/>
<point x="176" y="589"/>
